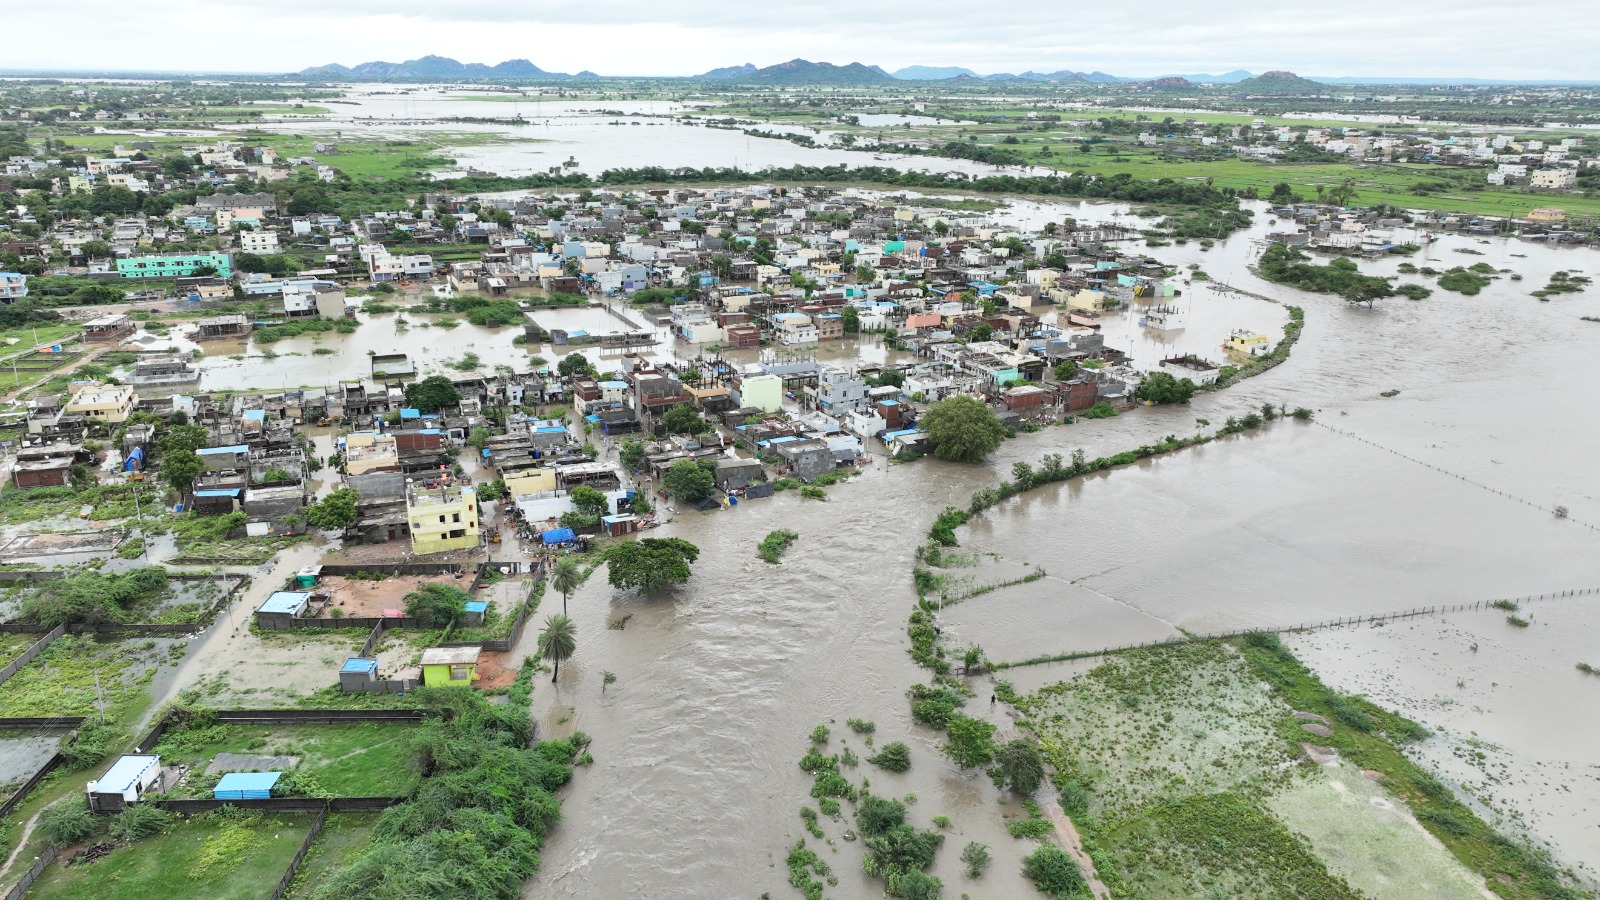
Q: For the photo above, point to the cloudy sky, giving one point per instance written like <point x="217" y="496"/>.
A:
<point x="1442" y="38"/>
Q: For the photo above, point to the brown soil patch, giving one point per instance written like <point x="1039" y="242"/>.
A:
<point x="370" y="598"/>
<point x="495" y="671"/>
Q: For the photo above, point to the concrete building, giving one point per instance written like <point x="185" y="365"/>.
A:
<point x="442" y="518"/>
<point x="174" y="265"/>
<point x="107" y="403"/>
<point x="13" y="286"/>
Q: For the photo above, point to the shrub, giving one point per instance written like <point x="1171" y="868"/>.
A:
<point x="819" y="734"/>
<point x="894" y="757"/>
<point x="1445" y="821"/>
<point x="1053" y="872"/>
<point x="877" y="815"/>
<point x="861" y="726"/>
<point x="976" y="856"/>
<point x="67" y="821"/>
<point x="137" y="822"/>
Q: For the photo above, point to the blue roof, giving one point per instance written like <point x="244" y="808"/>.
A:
<point x="246" y="786"/>
<point x="255" y="415"/>
<point x="894" y="434"/>
<point x="559" y="536"/>
<point x="228" y="492"/>
<point x="359" y="664"/>
<point x="236" y="448"/>
<point x="285" y="602"/>
<point x="123" y="774"/>
<point x="410" y="413"/>
<point x="550" y="429"/>
<point x="476" y="606"/>
<point x="614" y="384"/>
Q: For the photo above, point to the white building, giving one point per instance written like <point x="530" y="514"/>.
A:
<point x="258" y="241"/>
<point x="1554" y="179"/>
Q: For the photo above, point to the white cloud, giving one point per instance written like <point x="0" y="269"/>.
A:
<point x="1476" y="38"/>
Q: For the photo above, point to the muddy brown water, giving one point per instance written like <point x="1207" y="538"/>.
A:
<point x="695" y="790"/>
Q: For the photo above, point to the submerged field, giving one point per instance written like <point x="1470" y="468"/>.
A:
<point x="1224" y="770"/>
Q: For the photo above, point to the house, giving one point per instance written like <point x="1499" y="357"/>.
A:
<point x="807" y="458"/>
<point x="222" y="328"/>
<point x="315" y="298"/>
<point x="1554" y="180"/>
<point x="450" y="666"/>
<point x="108" y="328"/>
<point x="233" y="458"/>
<point x="1024" y="396"/>
<point x="276" y="612"/>
<point x="174" y="265"/>
<point x="732" y="474"/>
<point x="1247" y="343"/>
<point x="45" y="464"/>
<point x="258" y="241"/>
<point x="126" y="781"/>
<point x="111" y="404"/>
<point x="13" y="286"/>
<point x="763" y="392"/>
<point x="442" y="518"/>
<point x="1191" y="367"/>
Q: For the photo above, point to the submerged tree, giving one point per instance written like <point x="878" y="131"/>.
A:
<point x="557" y="642"/>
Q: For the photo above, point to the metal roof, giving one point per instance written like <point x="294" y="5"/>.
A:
<point x="124" y="773"/>
<point x="285" y="602"/>
<point x="359" y="664"/>
<point x="450" y="656"/>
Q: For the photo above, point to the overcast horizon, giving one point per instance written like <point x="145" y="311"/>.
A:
<point x="1426" y="39"/>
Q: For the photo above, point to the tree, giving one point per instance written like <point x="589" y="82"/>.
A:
<point x="478" y="437"/>
<point x="1053" y="872"/>
<point x="182" y="437"/>
<point x="632" y="455"/>
<point x="1021" y="764"/>
<point x="981" y="332"/>
<point x="866" y="274"/>
<point x="589" y="501"/>
<point x="97" y="250"/>
<point x="889" y="378"/>
<point x="877" y="815"/>
<point x="1343" y="193"/>
<point x="1065" y="370"/>
<point x="689" y="481"/>
<point x="557" y="642"/>
<point x="650" y="564"/>
<point x="67" y="821"/>
<point x="962" y="429"/>
<point x="437" y="604"/>
<point x="683" y="419"/>
<point x="1282" y="195"/>
<point x="179" y="470"/>
<point x="971" y="741"/>
<point x="573" y="364"/>
<point x="851" y="318"/>
<point x="432" y="393"/>
<point x="335" y="512"/>
<point x="1160" y="388"/>
<point x="566" y="577"/>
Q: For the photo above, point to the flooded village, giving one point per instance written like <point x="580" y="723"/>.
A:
<point x="1238" y="547"/>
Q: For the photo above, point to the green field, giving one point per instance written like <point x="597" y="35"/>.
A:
<point x="61" y="681"/>
<point x="208" y="857"/>
<point x="371" y="759"/>
<point x="25" y="338"/>
<point x="342" y="835"/>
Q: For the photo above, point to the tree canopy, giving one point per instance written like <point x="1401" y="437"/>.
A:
<point x="650" y="564"/>
<point x="962" y="429"/>
<point x="335" y="512"/>
<point x="573" y="364"/>
<point x="180" y="468"/>
<point x="437" y="604"/>
<point x="1161" y="388"/>
<point x="432" y="393"/>
<point x="684" y="419"/>
<point x="689" y="481"/>
<point x="557" y="642"/>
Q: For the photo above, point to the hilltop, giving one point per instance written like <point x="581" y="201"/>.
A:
<point x="430" y="68"/>
<point x="932" y="73"/>
<point x="1279" y="82"/>
<point x="801" y="71"/>
<point x="727" y="72"/>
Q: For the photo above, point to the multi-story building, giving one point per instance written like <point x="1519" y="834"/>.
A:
<point x="442" y="518"/>
<point x="174" y="265"/>
<point x="107" y="403"/>
<point x="1554" y="180"/>
<point x="13" y="286"/>
<point x="258" y="241"/>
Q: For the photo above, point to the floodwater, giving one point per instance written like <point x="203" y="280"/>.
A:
<point x="1383" y="505"/>
<point x="1404" y="505"/>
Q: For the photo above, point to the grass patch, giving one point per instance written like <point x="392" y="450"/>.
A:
<point x="61" y="680"/>
<point x="341" y="836"/>
<point x="371" y="759"/>
<point x="209" y="857"/>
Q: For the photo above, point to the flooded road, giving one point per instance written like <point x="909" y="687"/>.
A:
<point x="696" y="782"/>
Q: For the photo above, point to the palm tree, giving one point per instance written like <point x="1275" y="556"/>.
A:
<point x="558" y="641"/>
<point x="565" y="578"/>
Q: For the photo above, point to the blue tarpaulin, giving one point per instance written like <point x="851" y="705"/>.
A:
<point x="559" y="536"/>
<point x="246" y="786"/>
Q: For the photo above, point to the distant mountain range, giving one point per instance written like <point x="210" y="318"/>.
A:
<point x="434" y="68"/>
<point x="800" y="71"/>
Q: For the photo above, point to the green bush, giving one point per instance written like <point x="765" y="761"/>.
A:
<point x="895" y="756"/>
<point x="1053" y="872"/>
<point x="877" y="815"/>
<point x="67" y="821"/>
<point x="137" y="822"/>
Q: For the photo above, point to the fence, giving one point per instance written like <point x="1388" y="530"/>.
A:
<point x="394" y="569"/>
<point x="281" y="804"/>
<point x="165" y="629"/>
<point x="22" y="793"/>
<point x="1464" y="478"/>
<point x="299" y="857"/>
<point x="1304" y="626"/>
<point x="34" y="871"/>
<point x="288" y="624"/>
<point x="27" y="655"/>
<point x="287" y="717"/>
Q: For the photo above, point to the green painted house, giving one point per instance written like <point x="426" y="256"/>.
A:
<point x="449" y="666"/>
<point x="174" y="265"/>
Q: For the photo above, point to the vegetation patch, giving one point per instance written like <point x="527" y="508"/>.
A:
<point x="774" y="545"/>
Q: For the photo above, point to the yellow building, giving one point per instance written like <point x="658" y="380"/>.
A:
<point x="529" y="482"/>
<point x="1247" y="343"/>
<point x="442" y="518"/>
<point x="764" y="392"/>
<point x="102" y="402"/>
<point x="1087" y="300"/>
